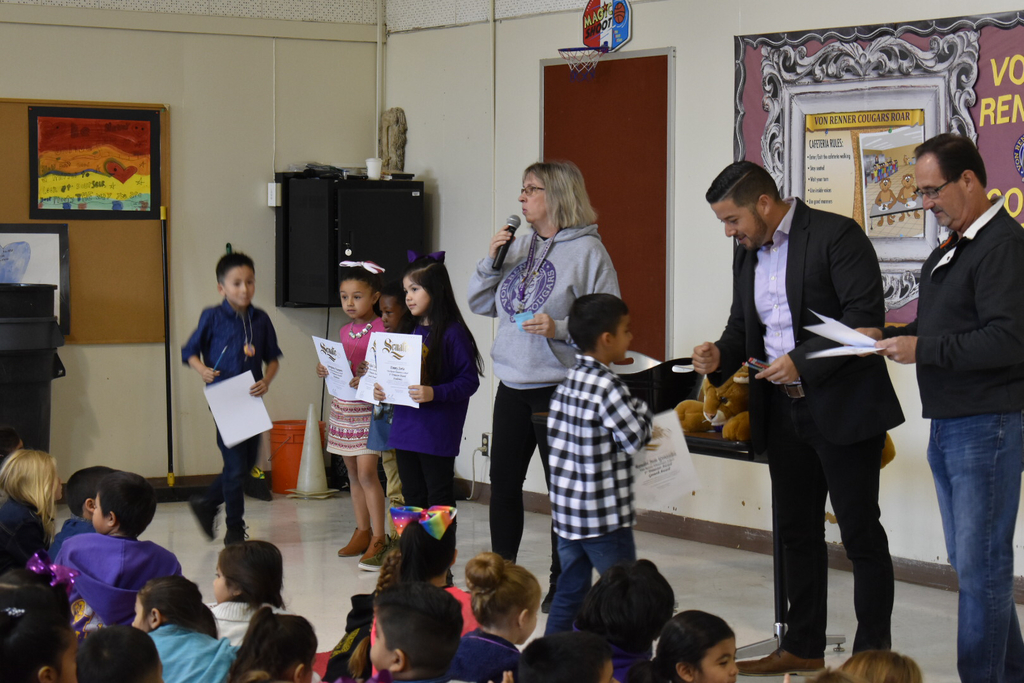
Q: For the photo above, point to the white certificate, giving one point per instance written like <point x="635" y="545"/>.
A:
<point x="663" y="470"/>
<point x="237" y="414"/>
<point x="332" y="356"/>
<point x="394" y="362"/>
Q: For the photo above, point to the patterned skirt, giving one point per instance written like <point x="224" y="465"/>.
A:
<point x="349" y="428"/>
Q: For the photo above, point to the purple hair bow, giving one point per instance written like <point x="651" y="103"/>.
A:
<point x="58" y="575"/>
<point x="436" y="255"/>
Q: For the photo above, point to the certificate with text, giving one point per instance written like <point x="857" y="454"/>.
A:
<point x="332" y="356"/>
<point x="663" y="469"/>
<point x="394" y="362"/>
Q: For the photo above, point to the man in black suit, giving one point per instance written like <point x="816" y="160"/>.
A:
<point x="822" y="421"/>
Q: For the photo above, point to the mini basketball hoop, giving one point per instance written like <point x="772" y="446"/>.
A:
<point x="582" y="61"/>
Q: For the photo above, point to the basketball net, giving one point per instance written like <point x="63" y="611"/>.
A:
<point x="582" y="61"/>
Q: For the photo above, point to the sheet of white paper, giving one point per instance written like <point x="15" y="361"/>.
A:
<point x="837" y="331"/>
<point x="395" y="362"/>
<point x="841" y="351"/>
<point x="332" y="356"/>
<point x="237" y="414"/>
<point x="664" y="470"/>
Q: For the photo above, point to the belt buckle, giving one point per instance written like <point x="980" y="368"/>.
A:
<point x="794" y="390"/>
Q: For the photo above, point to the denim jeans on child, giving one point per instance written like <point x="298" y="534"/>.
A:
<point x="976" y="462"/>
<point x="579" y="559"/>
<point x="228" y="487"/>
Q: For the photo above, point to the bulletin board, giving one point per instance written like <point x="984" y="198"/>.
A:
<point x="617" y="129"/>
<point x="116" y="271"/>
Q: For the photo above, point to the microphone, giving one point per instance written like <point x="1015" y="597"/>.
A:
<point x="510" y="225"/>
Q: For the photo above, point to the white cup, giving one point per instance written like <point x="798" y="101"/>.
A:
<point x="373" y="168"/>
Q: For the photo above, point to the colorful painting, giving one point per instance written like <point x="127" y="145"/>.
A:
<point x="94" y="163"/>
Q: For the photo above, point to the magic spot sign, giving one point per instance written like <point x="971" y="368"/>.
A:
<point x="607" y="23"/>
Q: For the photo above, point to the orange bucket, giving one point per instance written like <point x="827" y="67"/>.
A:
<point x="286" y="439"/>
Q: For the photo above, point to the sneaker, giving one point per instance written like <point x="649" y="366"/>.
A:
<point x="235" y="534"/>
<point x="205" y="514"/>
<point x="374" y="563"/>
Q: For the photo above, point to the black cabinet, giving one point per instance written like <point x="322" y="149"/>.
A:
<point x="322" y="222"/>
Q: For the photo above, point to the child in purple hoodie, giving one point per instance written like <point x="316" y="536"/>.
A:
<point x="113" y="563"/>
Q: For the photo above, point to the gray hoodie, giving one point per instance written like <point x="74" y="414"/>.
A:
<point x="576" y="264"/>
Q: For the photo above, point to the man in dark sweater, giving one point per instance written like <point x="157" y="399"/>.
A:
<point x="968" y="343"/>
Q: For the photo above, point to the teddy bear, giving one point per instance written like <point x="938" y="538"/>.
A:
<point x="908" y="196"/>
<point x="726" y="405"/>
<point x="885" y="199"/>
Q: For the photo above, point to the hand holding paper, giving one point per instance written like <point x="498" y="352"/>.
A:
<point x="854" y="343"/>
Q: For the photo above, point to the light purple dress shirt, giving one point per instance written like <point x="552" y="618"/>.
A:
<point x="770" y="291"/>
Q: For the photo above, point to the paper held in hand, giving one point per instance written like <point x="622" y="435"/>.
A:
<point x="854" y="343"/>
<point x="663" y="470"/>
<point x="395" y="361"/>
<point x="332" y="356"/>
<point x="237" y="414"/>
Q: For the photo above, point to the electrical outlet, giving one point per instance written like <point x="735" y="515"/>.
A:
<point x="485" y="443"/>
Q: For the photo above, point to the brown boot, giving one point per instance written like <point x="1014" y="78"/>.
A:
<point x="377" y="543"/>
<point x="358" y="545"/>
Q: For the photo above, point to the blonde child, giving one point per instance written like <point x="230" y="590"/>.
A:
<point x="694" y="647"/>
<point x="350" y="420"/>
<point x="250" y="575"/>
<point x="506" y="600"/>
<point x="27" y="518"/>
<point x="883" y="666"/>
<point x="277" y="647"/>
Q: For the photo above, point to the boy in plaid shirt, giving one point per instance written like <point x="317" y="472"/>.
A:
<point x="594" y="427"/>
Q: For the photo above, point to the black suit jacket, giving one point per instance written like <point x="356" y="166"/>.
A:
<point x="832" y="269"/>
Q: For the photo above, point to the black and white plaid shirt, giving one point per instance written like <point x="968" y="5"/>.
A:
<point x="594" y="426"/>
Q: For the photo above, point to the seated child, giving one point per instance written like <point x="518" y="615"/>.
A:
<point x="171" y="610"/>
<point x="37" y="644"/>
<point x="277" y="647"/>
<point x="249" y="576"/>
<point x="694" y="647"/>
<point x="9" y="442"/>
<point x="883" y="666"/>
<point x="506" y="600"/>
<point x="29" y="481"/>
<point x="628" y="607"/>
<point x="575" y="657"/>
<point x="594" y="428"/>
<point x="80" y="494"/>
<point x="113" y="564"/>
<point x="417" y="632"/>
<point x="119" y="654"/>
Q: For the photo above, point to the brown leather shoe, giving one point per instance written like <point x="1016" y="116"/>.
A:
<point x="778" y="663"/>
<point x="358" y="545"/>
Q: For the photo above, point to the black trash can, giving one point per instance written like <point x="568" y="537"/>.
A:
<point x="29" y="338"/>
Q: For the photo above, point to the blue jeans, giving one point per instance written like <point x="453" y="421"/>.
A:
<point x="579" y="559"/>
<point x="976" y="462"/>
<point x="228" y="487"/>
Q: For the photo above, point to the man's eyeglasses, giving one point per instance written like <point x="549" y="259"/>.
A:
<point x="531" y="190"/>
<point x="934" y="193"/>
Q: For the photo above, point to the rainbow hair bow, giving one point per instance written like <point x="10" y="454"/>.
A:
<point x="58" y="575"/>
<point x="435" y="519"/>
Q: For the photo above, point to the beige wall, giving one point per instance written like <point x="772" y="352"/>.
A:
<point x="440" y="78"/>
<point x="242" y="103"/>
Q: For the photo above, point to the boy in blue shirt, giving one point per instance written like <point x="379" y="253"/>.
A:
<point x="232" y="338"/>
<point x="80" y="493"/>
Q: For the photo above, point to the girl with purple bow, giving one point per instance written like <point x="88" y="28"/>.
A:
<point x="29" y="481"/>
<point x="427" y="439"/>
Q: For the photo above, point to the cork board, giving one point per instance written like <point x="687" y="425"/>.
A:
<point x="116" y="269"/>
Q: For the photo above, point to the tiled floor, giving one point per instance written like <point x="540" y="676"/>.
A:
<point x="734" y="584"/>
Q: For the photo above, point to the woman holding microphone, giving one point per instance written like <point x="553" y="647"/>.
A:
<point x="530" y="294"/>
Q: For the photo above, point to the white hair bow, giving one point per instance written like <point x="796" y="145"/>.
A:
<point x="365" y="265"/>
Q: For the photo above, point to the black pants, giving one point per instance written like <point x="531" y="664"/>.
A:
<point x="515" y="435"/>
<point x="426" y="479"/>
<point x="805" y="468"/>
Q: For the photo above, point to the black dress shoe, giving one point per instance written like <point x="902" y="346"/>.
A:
<point x="545" y="606"/>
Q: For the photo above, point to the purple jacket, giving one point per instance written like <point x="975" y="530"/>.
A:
<point x="112" y="571"/>
<point x="435" y="427"/>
